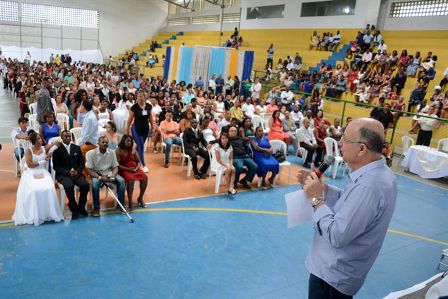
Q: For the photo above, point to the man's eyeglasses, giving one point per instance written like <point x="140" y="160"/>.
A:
<point x="344" y="139"/>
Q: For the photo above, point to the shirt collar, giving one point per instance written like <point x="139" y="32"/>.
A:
<point x="98" y="151"/>
<point x="372" y="165"/>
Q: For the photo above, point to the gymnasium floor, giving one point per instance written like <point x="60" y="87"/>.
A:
<point x="210" y="247"/>
<point x="204" y="246"/>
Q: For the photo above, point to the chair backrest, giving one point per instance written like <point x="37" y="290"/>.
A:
<point x="34" y="124"/>
<point x="443" y="144"/>
<point x="331" y="147"/>
<point x="13" y="137"/>
<point x="212" y="156"/>
<point x="257" y="121"/>
<point x="406" y="142"/>
<point x="76" y="134"/>
<point x="182" y="141"/>
<point x="278" y="145"/>
<point x="55" y="139"/>
<point x="33" y="108"/>
<point x="63" y="121"/>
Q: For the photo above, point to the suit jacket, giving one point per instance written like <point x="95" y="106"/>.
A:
<point x="63" y="161"/>
<point x="190" y="139"/>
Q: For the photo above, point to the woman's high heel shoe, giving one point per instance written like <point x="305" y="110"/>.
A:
<point x="233" y="192"/>
<point x="141" y="203"/>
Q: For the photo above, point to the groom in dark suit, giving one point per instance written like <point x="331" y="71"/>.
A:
<point x="192" y="140"/>
<point x="68" y="164"/>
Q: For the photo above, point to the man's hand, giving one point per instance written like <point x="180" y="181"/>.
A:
<point x="313" y="186"/>
<point x="196" y="149"/>
<point x="209" y="146"/>
<point x="303" y="174"/>
<point x="104" y="178"/>
<point x="73" y="174"/>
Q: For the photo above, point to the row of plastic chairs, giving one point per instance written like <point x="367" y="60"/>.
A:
<point x="61" y="118"/>
<point x="276" y="145"/>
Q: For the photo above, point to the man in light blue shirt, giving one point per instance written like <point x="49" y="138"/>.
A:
<point x="186" y="99"/>
<point x="89" y="132"/>
<point x="350" y="224"/>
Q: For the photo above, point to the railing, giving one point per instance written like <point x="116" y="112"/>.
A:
<point x="340" y="108"/>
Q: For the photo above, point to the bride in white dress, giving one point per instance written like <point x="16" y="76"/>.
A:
<point x="37" y="200"/>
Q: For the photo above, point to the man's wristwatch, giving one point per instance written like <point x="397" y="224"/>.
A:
<point x="315" y="201"/>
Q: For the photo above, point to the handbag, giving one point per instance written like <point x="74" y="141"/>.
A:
<point x="279" y="156"/>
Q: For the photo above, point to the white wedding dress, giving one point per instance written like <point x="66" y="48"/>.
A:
<point x="37" y="200"/>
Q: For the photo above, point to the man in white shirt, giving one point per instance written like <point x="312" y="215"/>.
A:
<point x="306" y="139"/>
<point x="248" y="108"/>
<point x="367" y="57"/>
<point x="287" y="97"/>
<point x="427" y="125"/>
<point x="382" y="47"/>
<point x="212" y="84"/>
<point x="296" y="115"/>
<point x="225" y="121"/>
<point x="21" y="133"/>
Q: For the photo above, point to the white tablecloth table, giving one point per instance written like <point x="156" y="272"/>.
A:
<point x="427" y="162"/>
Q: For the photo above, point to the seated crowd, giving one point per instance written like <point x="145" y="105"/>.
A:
<point x="222" y="118"/>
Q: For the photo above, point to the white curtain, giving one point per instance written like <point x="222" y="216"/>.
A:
<point x="200" y="65"/>
<point x="37" y="54"/>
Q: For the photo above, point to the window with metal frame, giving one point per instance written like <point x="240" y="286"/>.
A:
<point x="427" y="8"/>
<point x="9" y="11"/>
<point x="59" y="16"/>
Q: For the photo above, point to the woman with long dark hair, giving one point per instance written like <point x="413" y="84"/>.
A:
<point x="129" y="168"/>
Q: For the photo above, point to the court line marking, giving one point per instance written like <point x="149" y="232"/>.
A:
<point x="247" y="211"/>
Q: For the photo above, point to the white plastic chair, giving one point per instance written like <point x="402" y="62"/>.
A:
<point x="185" y="156"/>
<point x="76" y="134"/>
<point x="34" y="124"/>
<point x="63" y="121"/>
<point x="406" y="143"/>
<point x="332" y="149"/>
<point x="218" y="172"/>
<point x="33" y="108"/>
<point x="55" y="139"/>
<point x="258" y="121"/>
<point x="278" y="145"/>
<point x="18" y="144"/>
<point x="300" y="150"/>
<point x="443" y="144"/>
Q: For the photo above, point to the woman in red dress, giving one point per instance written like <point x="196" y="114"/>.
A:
<point x="129" y="168"/>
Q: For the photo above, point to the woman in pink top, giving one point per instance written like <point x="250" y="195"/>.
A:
<point x="276" y="128"/>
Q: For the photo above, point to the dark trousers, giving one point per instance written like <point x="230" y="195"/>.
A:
<point x="239" y="163"/>
<point x="269" y="63"/>
<point x="194" y="159"/>
<point x="443" y="82"/>
<point x="311" y="150"/>
<point x="319" y="289"/>
<point x="424" y="137"/>
<point x="69" y="187"/>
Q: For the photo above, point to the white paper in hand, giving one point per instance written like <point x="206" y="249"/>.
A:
<point x="298" y="207"/>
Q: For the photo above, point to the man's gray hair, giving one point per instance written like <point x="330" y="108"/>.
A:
<point x="373" y="140"/>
